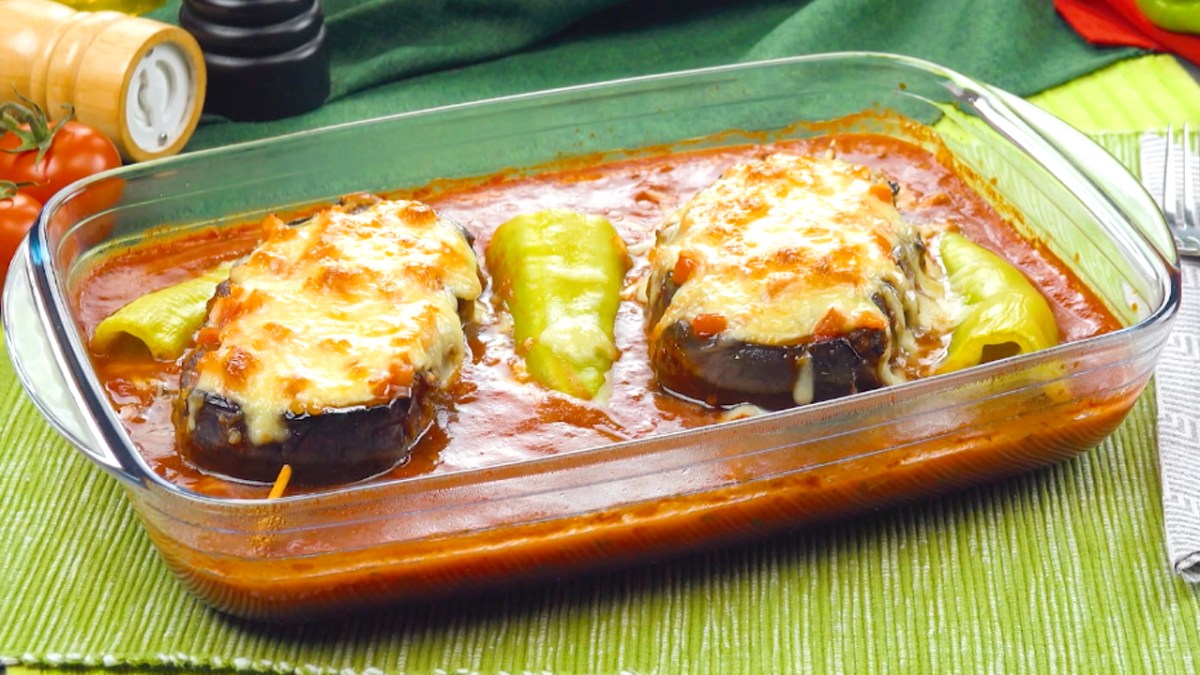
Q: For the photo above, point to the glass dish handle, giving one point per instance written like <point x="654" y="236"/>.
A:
<point x="38" y="368"/>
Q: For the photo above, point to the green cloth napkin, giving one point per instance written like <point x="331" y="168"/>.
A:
<point x="390" y="56"/>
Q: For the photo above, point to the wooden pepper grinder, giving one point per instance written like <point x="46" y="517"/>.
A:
<point x="267" y="59"/>
<point x="139" y="82"/>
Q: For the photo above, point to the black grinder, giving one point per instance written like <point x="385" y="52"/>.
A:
<point x="266" y="59"/>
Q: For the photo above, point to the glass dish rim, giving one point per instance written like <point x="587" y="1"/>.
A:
<point x="133" y="468"/>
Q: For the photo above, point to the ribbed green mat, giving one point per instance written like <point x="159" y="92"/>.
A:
<point x="1062" y="570"/>
<point x="1142" y="93"/>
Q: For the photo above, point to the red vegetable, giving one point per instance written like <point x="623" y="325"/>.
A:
<point x="17" y="213"/>
<point x="48" y="158"/>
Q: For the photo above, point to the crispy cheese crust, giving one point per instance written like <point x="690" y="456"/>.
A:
<point x="791" y="279"/>
<point x="321" y="347"/>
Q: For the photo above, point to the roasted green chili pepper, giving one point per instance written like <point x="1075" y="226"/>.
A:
<point x="1182" y="16"/>
<point x="560" y="273"/>
<point x="1005" y="314"/>
<point x="163" y="320"/>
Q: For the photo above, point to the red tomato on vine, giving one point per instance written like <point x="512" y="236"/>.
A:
<point x="37" y="160"/>
<point x="47" y="158"/>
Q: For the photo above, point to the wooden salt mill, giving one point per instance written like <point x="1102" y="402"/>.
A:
<point x="266" y="59"/>
<point x="139" y="82"/>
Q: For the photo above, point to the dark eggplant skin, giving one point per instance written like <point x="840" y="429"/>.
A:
<point x="721" y="371"/>
<point x="336" y="446"/>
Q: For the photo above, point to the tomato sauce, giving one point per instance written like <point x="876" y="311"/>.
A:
<point x="494" y="416"/>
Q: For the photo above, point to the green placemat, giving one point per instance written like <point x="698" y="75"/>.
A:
<point x="1060" y="570"/>
<point x="1141" y="93"/>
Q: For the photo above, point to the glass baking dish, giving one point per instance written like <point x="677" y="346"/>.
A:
<point x="376" y="543"/>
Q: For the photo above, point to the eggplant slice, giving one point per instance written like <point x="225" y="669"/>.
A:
<point x="790" y="280"/>
<point x="329" y="345"/>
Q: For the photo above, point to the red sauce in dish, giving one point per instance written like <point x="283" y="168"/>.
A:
<point x="493" y="416"/>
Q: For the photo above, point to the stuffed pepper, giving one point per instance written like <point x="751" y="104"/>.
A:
<point x="560" y="274"/>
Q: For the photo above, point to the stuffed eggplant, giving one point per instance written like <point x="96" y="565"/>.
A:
<point x="327" y="345"/>
<point x="790" y="280"/>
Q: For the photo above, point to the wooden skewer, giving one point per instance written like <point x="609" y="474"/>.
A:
<point x="281" y="482"/>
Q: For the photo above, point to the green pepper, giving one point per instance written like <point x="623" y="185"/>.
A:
<point x="1182" y="16"/>
<point x="560" y="273"/>
<point x="164" y="320"/>
<point x="1005" y="314"/>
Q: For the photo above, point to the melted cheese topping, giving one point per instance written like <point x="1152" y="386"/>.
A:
<point x="344" y="310"/>
<point x="796" y="249"/>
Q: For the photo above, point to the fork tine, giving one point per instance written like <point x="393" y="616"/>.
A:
<point x="1189" y="172"/>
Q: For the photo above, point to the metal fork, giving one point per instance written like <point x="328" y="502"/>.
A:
<point x="1180" y="206"/>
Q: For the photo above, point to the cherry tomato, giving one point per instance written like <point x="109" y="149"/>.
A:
<point x="17" y="214"/>
<point x="75" y="151"/>
<point x="41" y="159"/>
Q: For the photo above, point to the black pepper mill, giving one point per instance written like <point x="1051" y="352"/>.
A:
<point x="266" y="59"/>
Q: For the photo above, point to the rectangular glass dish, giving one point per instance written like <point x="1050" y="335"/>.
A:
<point x="376" y="543"/>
